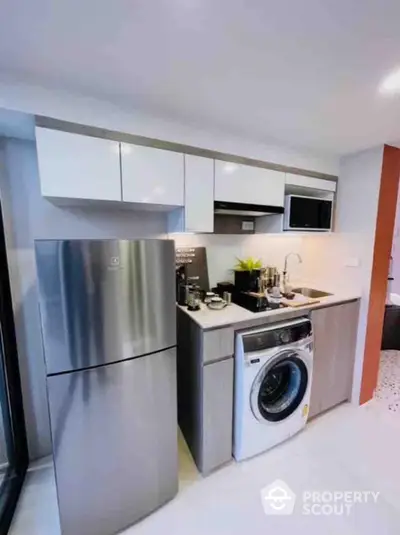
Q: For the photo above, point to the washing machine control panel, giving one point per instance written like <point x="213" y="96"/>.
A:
<point x="266" y="339"/>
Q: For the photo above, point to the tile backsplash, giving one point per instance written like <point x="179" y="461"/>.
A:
<point x="223" y="251"/>
<point x="325" y="256"/>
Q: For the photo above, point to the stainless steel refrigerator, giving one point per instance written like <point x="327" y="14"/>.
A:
<point x="109" y="334"/>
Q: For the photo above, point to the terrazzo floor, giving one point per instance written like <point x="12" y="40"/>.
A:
<point x="387" y="392"/>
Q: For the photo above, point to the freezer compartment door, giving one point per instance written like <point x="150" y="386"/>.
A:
<point x="105" y="300"/>
<point x="114" y="432"/>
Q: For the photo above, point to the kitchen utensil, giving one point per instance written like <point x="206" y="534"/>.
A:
<point x="208" y="297"/>
<point x="217" y="305"/>
<point x="193" y="303"/>
<point x="227" y="298"/>
<point x="270" y="273"/>
<point x="275" y="292"/>
<point x="194" y="299"/>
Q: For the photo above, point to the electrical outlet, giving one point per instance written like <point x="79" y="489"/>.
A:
<point x="248" y="225"/>
<point x="352" y="262"/>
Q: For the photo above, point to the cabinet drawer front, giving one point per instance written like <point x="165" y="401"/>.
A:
<point x="310" y="182"/>
<point x="246" y="184"/>
<point x="217" y="344"/>
<point x="335" y="336"/>
<point x="217" y="415"/>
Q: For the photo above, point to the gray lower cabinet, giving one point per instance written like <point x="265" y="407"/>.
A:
<point x="217" y="344"/>
<point x="217" y="403"/>
<point x="205" y="392"/>
<point x="335" y="334"/>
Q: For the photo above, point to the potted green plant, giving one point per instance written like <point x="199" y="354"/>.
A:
<point x="247" y="273"/>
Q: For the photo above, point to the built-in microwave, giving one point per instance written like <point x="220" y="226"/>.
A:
<point x="307" y="213"/>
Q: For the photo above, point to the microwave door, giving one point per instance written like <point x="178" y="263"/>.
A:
<point x="310" y="213"/>
<point x="325" y="215"/>
<point x="303" y="213"/>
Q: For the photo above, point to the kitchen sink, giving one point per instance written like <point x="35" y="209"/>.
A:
<point x="310" y="292"/>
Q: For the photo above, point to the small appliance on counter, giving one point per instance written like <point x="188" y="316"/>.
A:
<point x="222" y="287"/>
<point x="255" y="302"/>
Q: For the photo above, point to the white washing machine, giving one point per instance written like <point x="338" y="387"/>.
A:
<point x="273" y="373"/>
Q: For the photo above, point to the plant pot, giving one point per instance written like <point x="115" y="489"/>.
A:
<point x="247" y="281"/>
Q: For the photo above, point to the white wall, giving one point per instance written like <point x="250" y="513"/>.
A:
<point x="28" y="216"/>
<point x="89" y="111"/>
<point x="328" y="258"/>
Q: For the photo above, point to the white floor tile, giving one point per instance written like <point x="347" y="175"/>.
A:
<point x="348" y="448"/>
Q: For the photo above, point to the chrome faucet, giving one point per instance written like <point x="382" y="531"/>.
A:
<point x="285" y="273"/>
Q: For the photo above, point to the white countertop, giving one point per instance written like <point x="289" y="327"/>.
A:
<point x="210" y="319"/>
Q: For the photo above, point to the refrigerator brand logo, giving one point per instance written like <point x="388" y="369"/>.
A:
<point x="114" y="262"/>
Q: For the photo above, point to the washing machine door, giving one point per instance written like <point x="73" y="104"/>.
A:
<point x="279" y="387"/>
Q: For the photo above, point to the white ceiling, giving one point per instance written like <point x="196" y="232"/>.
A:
<point x="302" y="72"/>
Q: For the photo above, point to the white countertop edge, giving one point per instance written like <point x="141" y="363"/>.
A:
<point x="232" y="314"/>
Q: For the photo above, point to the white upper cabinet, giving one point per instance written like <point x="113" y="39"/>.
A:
<point x="198" y="213"/>
<point x="152" y="176"/>
<point x="78" y="167"/>
<point x="310" y="182"/>
<point x="199" y="194"/>
<point x="250" y="185"/>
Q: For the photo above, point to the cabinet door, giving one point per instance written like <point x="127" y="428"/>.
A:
<point x="310" y="182"/>
<point x="335" y="335"/>
<point x="78" y="167"/>
<point x="217" y="344"/>
<point x="217" y="414"/>
<point x="250" y="185"/>
<point x="199" y="194"/>
<point x="114" y="431"/>
<point x="152" y="176"/>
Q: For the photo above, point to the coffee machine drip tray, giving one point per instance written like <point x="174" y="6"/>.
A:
<point x="255" y="302"/>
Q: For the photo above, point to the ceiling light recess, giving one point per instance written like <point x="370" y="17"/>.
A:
<point x="391" y="84"/>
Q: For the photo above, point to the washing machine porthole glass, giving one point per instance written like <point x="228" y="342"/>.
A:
<point x="282" y="388"/>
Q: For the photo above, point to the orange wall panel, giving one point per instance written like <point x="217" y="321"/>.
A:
<point x="380" y="268"/>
